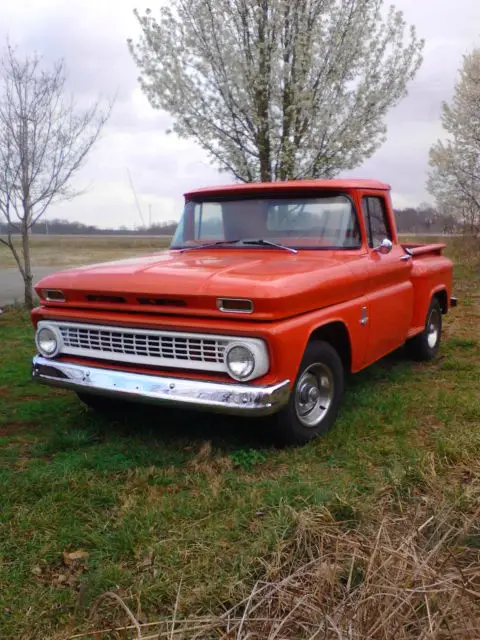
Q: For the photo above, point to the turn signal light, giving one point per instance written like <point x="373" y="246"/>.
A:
<point x="53" y="295"/>
<point x="235" y="305"/>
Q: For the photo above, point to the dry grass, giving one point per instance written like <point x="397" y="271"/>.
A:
<point x="69" y="251"/>
<point x="409" y="571"/>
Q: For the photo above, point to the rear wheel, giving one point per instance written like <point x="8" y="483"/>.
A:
<point x="315" y="398"/>
<point x="425" y="345"/>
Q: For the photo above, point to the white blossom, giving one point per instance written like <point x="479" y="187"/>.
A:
<point x="275" y="89"/>
<point x="455" y="176"/>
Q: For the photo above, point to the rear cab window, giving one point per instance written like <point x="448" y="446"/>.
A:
<point x="331" y="219"/>
<point x="209" y="221"/>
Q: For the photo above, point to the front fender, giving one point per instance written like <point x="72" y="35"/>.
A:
<point x="289" y="339"/>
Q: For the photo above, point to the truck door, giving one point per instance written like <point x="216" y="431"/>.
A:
<point x="389" y="287"/>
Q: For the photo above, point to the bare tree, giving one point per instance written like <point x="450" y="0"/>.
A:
<point x="44" y="140"/>
<point x="454" y="179"/>
<point x="278" y="89"/>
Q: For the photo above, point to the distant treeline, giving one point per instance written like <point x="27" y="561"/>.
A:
<point x="423" y="219"/>
<point x="65" y="227"/>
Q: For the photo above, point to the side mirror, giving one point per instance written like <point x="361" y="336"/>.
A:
<point x="384" y="247"/>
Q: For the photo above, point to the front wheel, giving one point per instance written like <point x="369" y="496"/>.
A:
<point x="425" y="345"/>
<point x="315" y="398"/>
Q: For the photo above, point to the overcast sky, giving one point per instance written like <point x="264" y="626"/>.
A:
<point x="91" y="36"/>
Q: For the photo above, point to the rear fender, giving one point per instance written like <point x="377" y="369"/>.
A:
<point x="431" y="276"/>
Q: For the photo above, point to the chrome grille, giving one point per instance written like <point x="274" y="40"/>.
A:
<point x="144" y="346"/>
<point x="149" y="345"/>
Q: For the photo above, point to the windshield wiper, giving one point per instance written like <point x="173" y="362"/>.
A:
<point x="220" y="243"/>
<point x="209" y="245"/>
<point x="268" y="243"/>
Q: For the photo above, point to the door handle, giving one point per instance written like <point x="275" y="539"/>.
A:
<point x="405" y="258"/>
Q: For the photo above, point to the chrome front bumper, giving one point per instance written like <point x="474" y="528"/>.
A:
<point x="234" y="399"/>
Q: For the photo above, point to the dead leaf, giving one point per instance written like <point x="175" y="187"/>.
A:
<point x="37" y="571"/>
<point x="72" y="557"/>
<point x="147" y="561"/>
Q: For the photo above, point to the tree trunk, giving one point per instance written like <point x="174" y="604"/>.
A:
<point x="27" y="268"/>
<point x="265" y="165"/>
<point x="262" y="98"/>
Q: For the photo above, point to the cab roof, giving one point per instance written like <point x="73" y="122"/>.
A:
<point x="293" y="185"/>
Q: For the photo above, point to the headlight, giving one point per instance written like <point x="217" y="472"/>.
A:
<point x="47" y="341"/>
<point x="240" y="362"/>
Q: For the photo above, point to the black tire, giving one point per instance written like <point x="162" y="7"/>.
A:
<point x="102" y="404"/>
<point x="290" y="425"/>
<point x="424" y="347"/>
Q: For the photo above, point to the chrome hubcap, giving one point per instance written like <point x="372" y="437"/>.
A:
<point x="314" y="394"/>
<point x="433" y="330"/>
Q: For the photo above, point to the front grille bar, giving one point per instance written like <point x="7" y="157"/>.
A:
<point x="140" y="345"/>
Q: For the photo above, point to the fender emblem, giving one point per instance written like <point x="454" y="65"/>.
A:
<point x="364" y="318"/>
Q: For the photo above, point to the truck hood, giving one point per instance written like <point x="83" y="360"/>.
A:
<point x="280" y="284"/>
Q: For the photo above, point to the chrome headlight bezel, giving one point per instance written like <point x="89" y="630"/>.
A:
<point x="256" y="351"/>
<point x="55" y="337"/>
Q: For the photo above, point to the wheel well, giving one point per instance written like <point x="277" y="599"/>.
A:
<point x="336" y="334"/>
<point x="442" y="299"/>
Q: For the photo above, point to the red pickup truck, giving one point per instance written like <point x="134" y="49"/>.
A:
<point x="268" y="295"/>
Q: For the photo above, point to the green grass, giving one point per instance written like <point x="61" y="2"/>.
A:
<point x="160" y="497"/>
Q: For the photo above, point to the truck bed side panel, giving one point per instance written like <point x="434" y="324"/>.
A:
<point x="431" y="273"/>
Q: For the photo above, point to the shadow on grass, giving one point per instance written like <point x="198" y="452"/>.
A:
<point x="171" y="427"/>
<point x="176" y="428"/>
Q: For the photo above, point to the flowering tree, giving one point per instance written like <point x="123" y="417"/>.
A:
<point x="455" y="176"/>
<point x="275" y="89"/>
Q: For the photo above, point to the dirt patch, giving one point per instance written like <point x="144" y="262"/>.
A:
<point x="41" y="396"/>
<point x="62" y="574"/>
<point x="14" y="427"/>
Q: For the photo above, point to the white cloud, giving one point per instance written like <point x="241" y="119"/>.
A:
<point x="112" y="202"/>
<point x="91" y="36"/>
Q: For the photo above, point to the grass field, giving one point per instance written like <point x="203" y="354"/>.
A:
<point x="70" y="251"/>
<point x="180" y="515"/>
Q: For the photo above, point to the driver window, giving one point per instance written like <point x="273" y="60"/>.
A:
<point x="376" y="221"/>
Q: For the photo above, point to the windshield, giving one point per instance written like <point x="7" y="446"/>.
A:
<point x="320" y="222"/>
